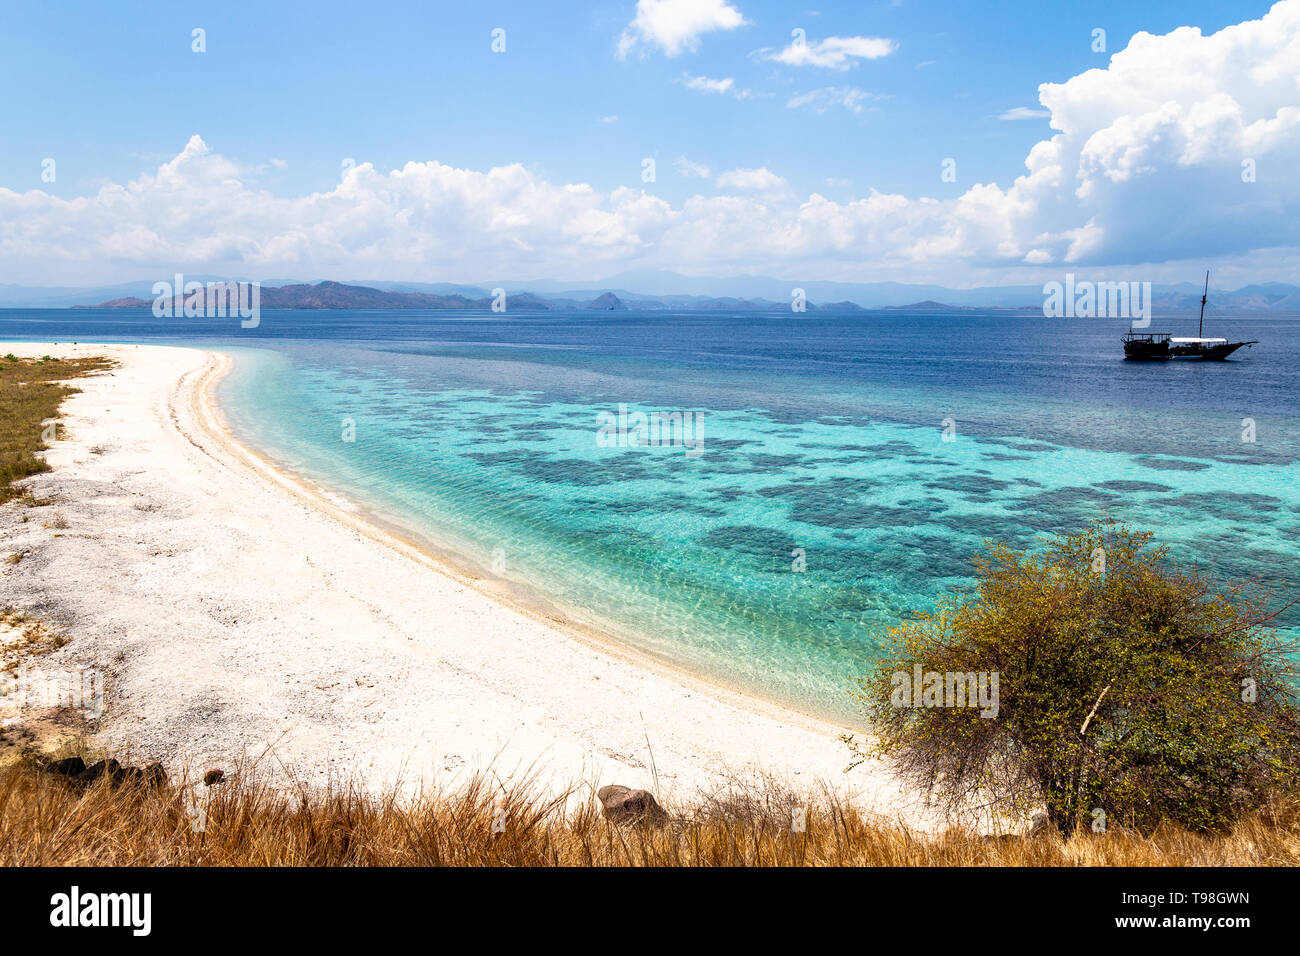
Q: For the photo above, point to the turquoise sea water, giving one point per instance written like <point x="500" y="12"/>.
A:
<point x="849" y="465"/>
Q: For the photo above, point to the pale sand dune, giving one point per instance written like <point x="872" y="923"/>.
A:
<point x="236" y="610"/>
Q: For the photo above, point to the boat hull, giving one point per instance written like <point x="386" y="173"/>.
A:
<point x="1208" y="353"/>
<point x="1162" y="351"/>
<point x="1146" y="352"/>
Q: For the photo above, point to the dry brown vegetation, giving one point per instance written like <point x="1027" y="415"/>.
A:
<point x="31" y="391"/>
<point x="23" y="637"/>
<point x="47" y="821"/>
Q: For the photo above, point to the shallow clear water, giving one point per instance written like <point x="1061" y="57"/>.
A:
<point x="823" y="439"/>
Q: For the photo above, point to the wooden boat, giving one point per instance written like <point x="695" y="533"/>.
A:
<point x="1158" y="346"/>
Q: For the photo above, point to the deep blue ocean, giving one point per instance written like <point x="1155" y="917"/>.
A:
<point x="846" y="466"/>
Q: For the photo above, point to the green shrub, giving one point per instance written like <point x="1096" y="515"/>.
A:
<point x="1128" y="692"/>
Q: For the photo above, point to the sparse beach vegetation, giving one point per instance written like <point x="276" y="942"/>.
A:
<point x="31" y="391"/>
<point x="48" y="819"/>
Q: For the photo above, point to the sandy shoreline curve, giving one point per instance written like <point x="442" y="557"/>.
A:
<point x="238" y="611"/>
<point x="206" y="413"/>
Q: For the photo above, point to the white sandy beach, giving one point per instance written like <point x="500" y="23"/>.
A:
<point x="238" y="612"/>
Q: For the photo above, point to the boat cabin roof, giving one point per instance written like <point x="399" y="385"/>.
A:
<point x="1199" y="341"/>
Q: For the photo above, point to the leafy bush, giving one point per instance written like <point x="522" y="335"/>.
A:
<point x="1127" y="691"/>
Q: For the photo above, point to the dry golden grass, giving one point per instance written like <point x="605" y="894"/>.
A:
<point x="31" y="391"/>
<point x="45" y="821"/>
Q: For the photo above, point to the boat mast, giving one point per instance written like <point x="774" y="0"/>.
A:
<point x="1200" y="333"/>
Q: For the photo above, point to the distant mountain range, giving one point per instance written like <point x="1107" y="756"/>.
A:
<point x="338" y="295"/>
<point x="658" y="291"/>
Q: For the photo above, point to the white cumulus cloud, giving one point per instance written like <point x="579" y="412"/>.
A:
<point x="705" y="84"/>
<point x="689" y="169"/>
<point x="753" y="180"/>
<point x="675" y="26"/>
<point x="832" y="53"/>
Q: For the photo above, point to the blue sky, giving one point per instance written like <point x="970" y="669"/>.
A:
<point x="286" y="92"/>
